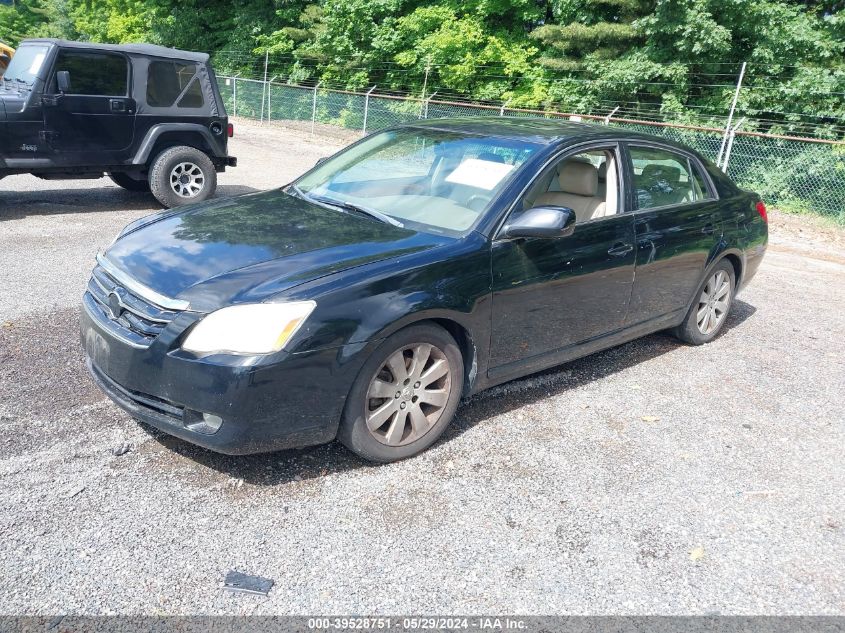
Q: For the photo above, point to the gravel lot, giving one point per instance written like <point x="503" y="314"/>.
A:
<point x="651" y="478"/>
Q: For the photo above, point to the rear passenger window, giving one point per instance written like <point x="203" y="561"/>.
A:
<point x="166" y="81"/>
<point x="663" y="178"/>
<point x="95" y="74"/>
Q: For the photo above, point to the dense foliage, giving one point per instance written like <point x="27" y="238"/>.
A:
<point x="666" y="58"/>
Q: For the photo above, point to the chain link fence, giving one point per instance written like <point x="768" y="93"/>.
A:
<point x="794" y="174"/>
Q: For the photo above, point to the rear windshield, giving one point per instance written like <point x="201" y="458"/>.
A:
<point x="26" y="64"/>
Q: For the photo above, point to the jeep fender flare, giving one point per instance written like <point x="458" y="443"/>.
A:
<point x="146" y="147"/>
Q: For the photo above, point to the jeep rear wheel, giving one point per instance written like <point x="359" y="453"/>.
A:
<point x="180" y="175"/>
<point x="128" y="182"/>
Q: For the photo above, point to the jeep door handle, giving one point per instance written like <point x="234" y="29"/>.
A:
<point x="620" y="249"/>
<point x="116" y="105"/>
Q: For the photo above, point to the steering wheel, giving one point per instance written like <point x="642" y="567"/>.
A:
<point x="478" y="196"/>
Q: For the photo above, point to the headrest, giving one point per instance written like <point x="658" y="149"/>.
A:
<point x="661" y="173"/>
<point x="582" y="179"/>
<point x="603" y="171"/>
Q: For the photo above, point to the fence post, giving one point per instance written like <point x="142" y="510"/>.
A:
<point x="608" y="117"/>
<point x="268" y="97"/>
<point x="427" y="101"/>
<point x="502" y="109"/>
<point x="366" y="110"/>
<point x="314" y="108"/>
<point x="731" y="114"/>
<point x="235" y="95"/>
<point x="425" y="84"/>
<point x="264" y="87"/>
<point x="731" y="145"/>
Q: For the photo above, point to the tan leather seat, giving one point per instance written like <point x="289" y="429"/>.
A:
<point x="578" y="190"/>
<point x="602" y="190"/>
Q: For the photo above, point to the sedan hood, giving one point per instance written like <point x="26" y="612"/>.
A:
<point x="250" y="248"/>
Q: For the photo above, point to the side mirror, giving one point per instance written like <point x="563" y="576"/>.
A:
<point x="546" y="221"/>
<point x="63" y="81"/>
<point x="322" y="160"/>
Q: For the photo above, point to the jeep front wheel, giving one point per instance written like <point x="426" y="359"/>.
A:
<point x="180" y="175"/>
<point x="128" y="182"/>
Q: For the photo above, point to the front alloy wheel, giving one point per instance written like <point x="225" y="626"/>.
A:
<point x="408" y="394"/>
<point x="405" y="394"/>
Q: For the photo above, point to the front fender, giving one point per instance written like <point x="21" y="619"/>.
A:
<point x="365" y="305"/>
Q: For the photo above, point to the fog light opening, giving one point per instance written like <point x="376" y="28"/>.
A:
<point x="205" y="423"/>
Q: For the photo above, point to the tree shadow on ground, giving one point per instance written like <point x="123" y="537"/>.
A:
<point x="15" y="205"/>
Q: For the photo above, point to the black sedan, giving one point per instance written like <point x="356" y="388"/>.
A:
<point x="419" y="265"/>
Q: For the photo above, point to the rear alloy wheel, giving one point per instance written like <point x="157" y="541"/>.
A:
<point x="713" y="303"/>
<point x="405" y="396"/>
<point x="129" y="183"/>
<point x="180" y="175"/>
<point x="709" y="310"/>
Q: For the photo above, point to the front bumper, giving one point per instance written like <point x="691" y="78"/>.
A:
<point x="267" y="404"/>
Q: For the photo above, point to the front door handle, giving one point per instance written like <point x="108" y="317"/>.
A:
<point x="117" y="105"/>
<point x="620" y="249"/>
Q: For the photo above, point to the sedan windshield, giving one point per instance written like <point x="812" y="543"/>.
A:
<point x="25" y="64"/>
<point x="430" y="180"/>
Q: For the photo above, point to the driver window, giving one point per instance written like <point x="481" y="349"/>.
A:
<point x="587" y="183"/>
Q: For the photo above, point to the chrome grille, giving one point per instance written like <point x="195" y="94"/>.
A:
<point x="138" y="320"/>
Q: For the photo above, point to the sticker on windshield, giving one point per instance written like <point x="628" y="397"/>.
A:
<point x="36" y="63"/>
<point x="484" y="174"/>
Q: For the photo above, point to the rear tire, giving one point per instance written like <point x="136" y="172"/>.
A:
<point x="182" y="175"/>
<point x="405" y="395"/>
<point x="129" y="183"/>
<point x="710" y="307"/>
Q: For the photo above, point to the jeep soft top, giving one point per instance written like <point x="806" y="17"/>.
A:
<point x="148" y="116"/>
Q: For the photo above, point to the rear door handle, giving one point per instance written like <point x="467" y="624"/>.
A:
<point x="620" y="249"/>
<point x="708" y="228"/>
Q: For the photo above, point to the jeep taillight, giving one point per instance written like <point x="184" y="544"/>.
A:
<point x="230" y="130"/>
<point x="761" y="209"/>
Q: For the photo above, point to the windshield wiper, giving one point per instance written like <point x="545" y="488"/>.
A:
<point x="340" y="204"/>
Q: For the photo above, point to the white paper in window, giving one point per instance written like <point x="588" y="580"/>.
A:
<point x="36" y="63"/>
<point x="484" y="174"/>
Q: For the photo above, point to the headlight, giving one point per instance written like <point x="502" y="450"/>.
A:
<point x="256" y="328"/>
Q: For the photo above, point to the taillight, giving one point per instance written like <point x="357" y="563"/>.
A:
<point x="230" y="132"/>
<point x="761" y="209"/>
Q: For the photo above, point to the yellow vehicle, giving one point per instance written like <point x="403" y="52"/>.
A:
<point x="6" y="53"/>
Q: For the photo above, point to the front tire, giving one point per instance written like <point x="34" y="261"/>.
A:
<point x="181" y="175"/>
<point x="129" y="183"/>
<point x="710" y="308"/>
<point x="405" y="395"/>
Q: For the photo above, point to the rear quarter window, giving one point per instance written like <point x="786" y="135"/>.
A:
<point x="167" y="81"/>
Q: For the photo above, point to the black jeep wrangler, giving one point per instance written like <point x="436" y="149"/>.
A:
<point x="149" y="117"/>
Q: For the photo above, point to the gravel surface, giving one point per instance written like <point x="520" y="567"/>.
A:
<point x="651" y="478"/>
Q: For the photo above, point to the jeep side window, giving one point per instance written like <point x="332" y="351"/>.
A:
<point x="193" y="96"/>
<point x="167" y="80"/>
<point x="94" y="74"/>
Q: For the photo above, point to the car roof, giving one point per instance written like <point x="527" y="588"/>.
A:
<point x="536" y="130"/>
<point x="136" y="49"/>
